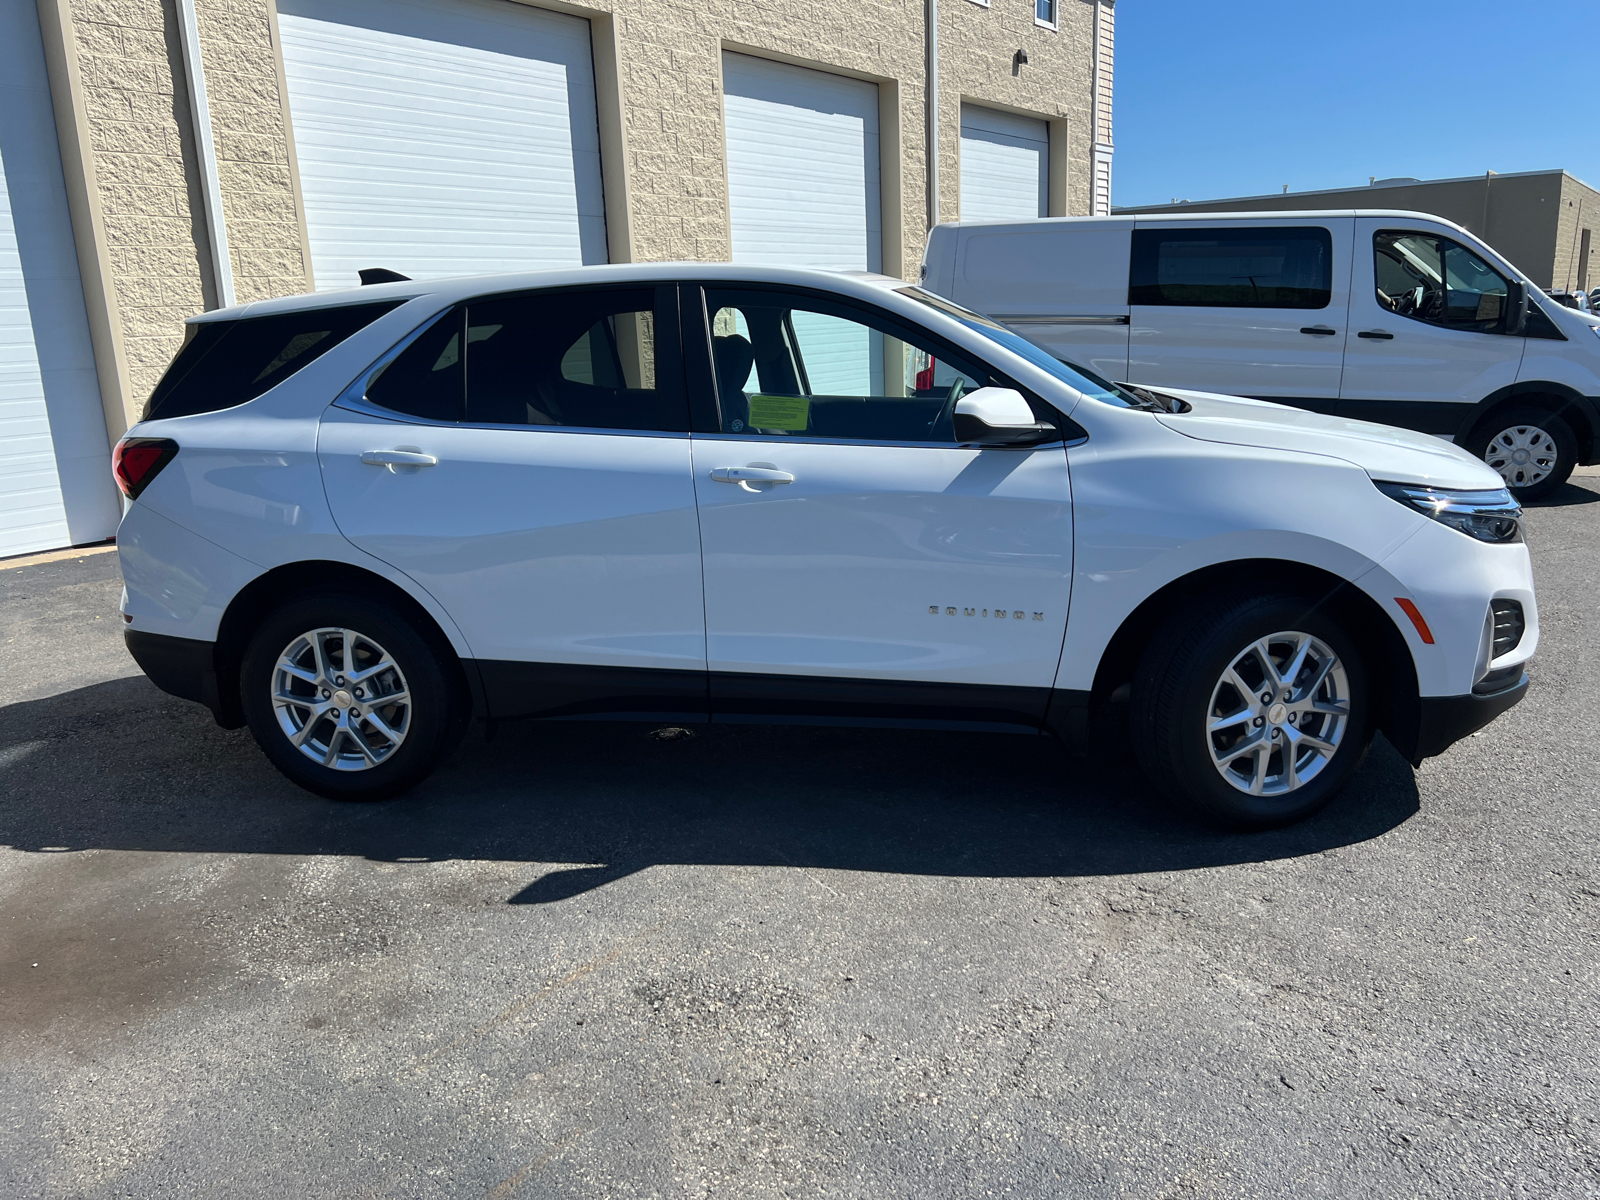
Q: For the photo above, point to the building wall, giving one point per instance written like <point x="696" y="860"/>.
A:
<point x="1534" y="219"/>
<point x="130" y="65"/>
<point x="658" y="68"/>
<point x="1579" y="211"/>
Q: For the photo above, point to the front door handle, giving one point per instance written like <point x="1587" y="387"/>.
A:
<point x="1319" y="330"/>
<point x="745" y="476"/>
<point x="1376" y="335"/>
<point x="398" y="459"/>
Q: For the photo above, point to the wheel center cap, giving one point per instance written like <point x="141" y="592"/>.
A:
<point x="1278" y="714"/>
<point x="343" y="699"/>
<point x="1520" y="456"/>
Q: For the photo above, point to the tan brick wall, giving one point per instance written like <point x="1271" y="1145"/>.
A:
<point x="252" y="147"/>
<point x="131" y="67"/>
<point x="670" y="79"/>
<point x="1580" y="210"/>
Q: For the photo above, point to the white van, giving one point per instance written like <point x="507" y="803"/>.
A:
<point x="1386" y="316"/>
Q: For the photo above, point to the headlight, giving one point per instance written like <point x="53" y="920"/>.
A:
<point x="1488" y="516"/>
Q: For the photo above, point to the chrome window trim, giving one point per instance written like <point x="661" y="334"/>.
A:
<point x="767" y="439"/>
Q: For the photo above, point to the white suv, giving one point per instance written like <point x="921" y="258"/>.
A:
<point x="686" y="492"/>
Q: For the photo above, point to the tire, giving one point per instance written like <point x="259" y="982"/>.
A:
<point x="1180" y="686"/>
<point x="367" y="752"/>
<point x="1544" y="441"/>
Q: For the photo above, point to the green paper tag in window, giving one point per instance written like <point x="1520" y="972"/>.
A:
<point x="792" y="413"/>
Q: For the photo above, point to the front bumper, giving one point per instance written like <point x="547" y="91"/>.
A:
<point x="1442" y="721"/>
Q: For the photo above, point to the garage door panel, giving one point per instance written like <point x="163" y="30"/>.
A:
<point x="803" y="174"/>
<point x="443" y="137"/>
<point x="1005" y="165"/>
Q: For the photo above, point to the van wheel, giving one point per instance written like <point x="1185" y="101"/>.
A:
<point x="1533" y="450"/>
<point x="347" y="699"/>
<point x="1252" y="708"/>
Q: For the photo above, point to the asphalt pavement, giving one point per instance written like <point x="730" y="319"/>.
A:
<point x="770" y="961"/>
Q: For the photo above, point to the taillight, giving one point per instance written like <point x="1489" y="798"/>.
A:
<point x="136" y="461"/>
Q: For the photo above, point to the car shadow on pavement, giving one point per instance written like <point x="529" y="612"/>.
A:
<point x="1568" y="494"/>
<point x="119" y="765"/>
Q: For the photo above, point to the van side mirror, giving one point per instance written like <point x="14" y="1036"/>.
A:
<point x="1516" y="308"/>
<point x="995" y="416"/>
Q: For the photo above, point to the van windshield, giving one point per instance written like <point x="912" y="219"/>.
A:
<point x="1080" y="379"/>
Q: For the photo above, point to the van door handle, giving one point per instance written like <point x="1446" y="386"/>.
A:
<point x="1319" y="330"/>
<point x="398" y="458"/>
<point x="1376" y="335"/>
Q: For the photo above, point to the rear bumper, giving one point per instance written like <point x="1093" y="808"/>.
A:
<point x="1443" y="721"/>
<point x="182" y="667"/>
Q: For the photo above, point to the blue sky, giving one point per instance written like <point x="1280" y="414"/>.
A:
<point x="1238" y="99"/>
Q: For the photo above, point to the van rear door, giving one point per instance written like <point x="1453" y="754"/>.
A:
<point x="1252" y="308"/>
<point x="1061" y="284"/>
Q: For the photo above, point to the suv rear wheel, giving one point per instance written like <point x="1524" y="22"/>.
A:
<point x="347" y="699"/>
<point x="1253" y="708"/>
<point x="1533" y="450"/>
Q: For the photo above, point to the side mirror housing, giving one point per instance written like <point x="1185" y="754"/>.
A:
<point x="995" y="416"/>
<point x="1516" y="308"/>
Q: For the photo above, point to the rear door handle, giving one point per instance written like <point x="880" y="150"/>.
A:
<point x="398" y="458"/>
<point x="1376" y="335"/>
<point x="1319" y="330"/>
<point x="745" y="476"/>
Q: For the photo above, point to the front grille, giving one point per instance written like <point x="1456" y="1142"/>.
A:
<point x="1508" y="626"/>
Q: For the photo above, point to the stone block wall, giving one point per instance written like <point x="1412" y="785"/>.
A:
<point x="131" y="67"/>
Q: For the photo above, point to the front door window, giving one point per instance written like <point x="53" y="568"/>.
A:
<point x="1433" y="279"/>
<point x="791" y="366"/>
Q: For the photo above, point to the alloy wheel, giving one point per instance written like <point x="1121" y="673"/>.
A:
<point x="341" y="699"/>
<point x="1524" y="455"/>
<point x="1278" y="714"/>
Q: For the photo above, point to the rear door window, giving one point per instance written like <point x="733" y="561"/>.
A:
<point x="1232" y="268"/>
<point x="600" y="358"/>
<point x="227" y="363"/>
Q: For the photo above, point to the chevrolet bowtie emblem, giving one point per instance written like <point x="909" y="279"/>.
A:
<point x="1014" y="614"/>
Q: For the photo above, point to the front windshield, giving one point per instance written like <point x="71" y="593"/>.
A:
<point x="1078" y="378"/>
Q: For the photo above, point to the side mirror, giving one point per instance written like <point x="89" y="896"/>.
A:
<point x="994" y="416"/>
<point x="1516" y="308"/>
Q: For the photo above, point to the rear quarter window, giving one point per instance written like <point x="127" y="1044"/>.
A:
<point x="227" y="363"/>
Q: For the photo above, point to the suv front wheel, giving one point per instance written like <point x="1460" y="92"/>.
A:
<point x="1253" y="708"/>
<point x="347" y="699"/>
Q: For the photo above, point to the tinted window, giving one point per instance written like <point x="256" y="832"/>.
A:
<point x="425" y="379"/>
<point x="589" y="359"/>
<point x="1232" y="268"/>
<point x="793" y="365"/>
<point x="226" y="363"/>
<point x="1436" y="280"/>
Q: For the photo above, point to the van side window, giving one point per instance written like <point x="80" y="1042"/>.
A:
<point x="1434" y="279"/>
<point x="1232" y="268"/>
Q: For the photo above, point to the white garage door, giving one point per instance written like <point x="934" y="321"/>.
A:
<point x="802" y="166"/>
<point x="55" y="463"/>
<point x="443" y="137"/>
<point x="1005" y="166"/>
